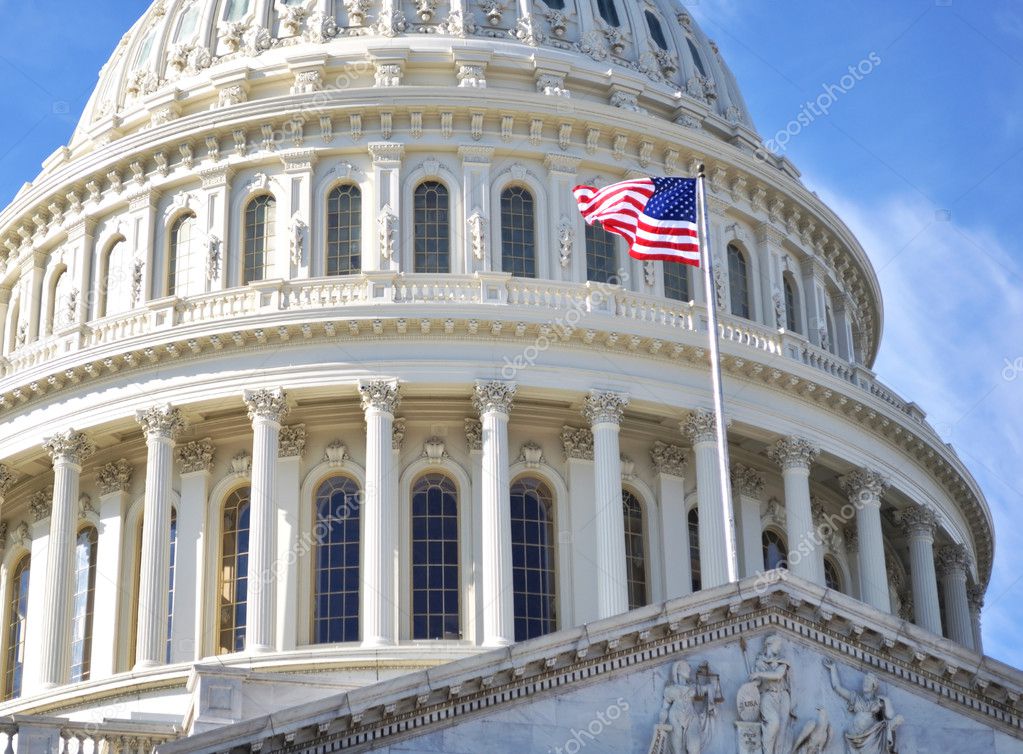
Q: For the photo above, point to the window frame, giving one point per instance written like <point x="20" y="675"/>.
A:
<point x="505" y="227"/>
<point x="219" y="628"/>
<point x="314" y="565"/>
<point x="645" y="541"/>
<point x="734" y="250"/>
<point x="459" y="566"/>
<point x="554" y="554"/>
<point x="269" y="234"/>
<point x="328" y="198"/>
<point x="88" y="618"/>
<point x="13" y="683"/>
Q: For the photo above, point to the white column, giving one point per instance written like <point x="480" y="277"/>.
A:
<point x="161" y="425"/>
<point x="604" y="411"/>
<point x="864" y="488"/>
<point x="699" y="427"/>
<point x="669" y="463"/>
<point x="806" y="552"/>
<point x="953" y="563"/>
<point x="195" y="461"/>
<point x="380" y="398"/>
<point x="493" y="401"/>
<point x="919" y="523"/>
<point x="114" y="482"/>
<point x="747" y="487"/>
<point x="474" y="441"/>
<point x="975" y="596"/>
<point x="39" y="505"/>
<point x="289" y="483"/>
<point x="578" y="446"/>
<point x="68" y="450"/>
<point x="267" y="408"/>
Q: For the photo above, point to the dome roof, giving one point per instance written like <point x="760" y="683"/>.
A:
<point x="178" y="47"/>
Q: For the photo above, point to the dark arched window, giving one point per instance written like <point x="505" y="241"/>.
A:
<point x="260" y="224"/>
<point x="696" y="58"/>
<point x="170" y="585"/>
<point x="182" y="263"/>
<point x="832" y="576"/>
<point x="83" y="602"/>
<point x="518" y="232"/>
<point x="533" y="558"/>
<point x="609" y="12"/>
<point x="234" y="571"/>
<point x="432" y="228"/>
<point x="336" y="579"/>
<point x="738" y="282"/>
<point x="829" y="322"/>
<point x="676" y="281"/>
<point x="435" y="610"/>
<point x="344" y="230"/>
<point x="555" y="4"/>
<point x="693" y="522"/>
<point x="601" y="255"/>
<point x="775" y="552"/>
<point x="635" y="550"/>
<point x="791" y="323"/>
<point x="17" y="618"/>
<point x="656" y="30"/>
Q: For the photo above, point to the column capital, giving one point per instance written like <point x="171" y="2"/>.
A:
<point x="852" y="541"/>
<point x="864" y="485"/>
<point x="793" y="453"/>
<point x="8" y="477"/>
<point x="196" y="456"/>
<point x="40" y="504"/>
<point x="382" y="395"/>
<point x="267" y="403"/>
<point x="605" y="407"/>
<point x="161" y="421"/>
<point x="397" y="434"/>
<point x="668" y="459"/>
<point x="577" y="442"/>
<point x="474" y="435"/>
<point x="493" y="395"/>
<point x="292" y="441"/>
<point x="918" y="521"/>
<point x="951" y="559"/>
<point x="70" y="447"/>
<point x="975" y="596"/>
<point x="700" y="426"/>
<point x="747" y="481"/>
<point x="114" y="477"/>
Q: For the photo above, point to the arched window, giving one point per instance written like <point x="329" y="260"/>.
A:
<point x="336" y="578"/>
<point x="234" y="565"/>
<point x="117" y="265"/>
<point x="83" y="602"/>
<point x="738" y="282"/>
<point x="601" y="255"/>
<point x="344" y="230"/>
<point x="144" y="51"/>
<point x="829" y="321"/>
<point x="59" y="313"/>
<point x="656" y="30"/>
<point x="185" y="271"/>
<point x="170" y="584"/>
<point x="832" y="576"/>
<point x="791" y="322"/>
<point x="555" y="4"/>
<point x="608" y="12"/>
<point x="676" y="281"/>
<point x="775" y="552"/>
<point x="17" y="618"/>
<point x="260" y="223"/>
<point x="432" y="228"/>
<point x="435" y="613"/>
<point x="693" y="522"/>
<point x="533" y="558"/>
<point x="236" y="9"/>
<point x="635" y="550"/>
<point x="189" y="20"/>
<point x="518" y="232"/>
<point x="697" y="60"/>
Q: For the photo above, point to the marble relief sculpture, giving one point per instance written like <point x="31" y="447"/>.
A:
<point x="688" y="711"/>
<point x="874" y="722"/>
<point x="765" y="703"/>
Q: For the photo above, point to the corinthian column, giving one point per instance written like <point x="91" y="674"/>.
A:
<point x="267" y="408"/>
<point x="161" y="425"/>
<point x="806" y="556"/>
<point x="953" y="562"/>
<point x="715" y="547"/>
<point x="493" y="401"/>
<point x="68" y="450"/>
<point x="748" y="487"/>
<point x="604" y="412"/>
<point x="975" y="595"/>
<point x="919" y="523"/>
<point x="864" y="488"/>
<point x="380" y="398"/>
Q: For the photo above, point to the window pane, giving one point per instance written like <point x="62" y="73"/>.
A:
<point x="696" y="58"/>
<point x="170" y="585"/>
<point x="775" y="552"/>
<point x="435" y="589"/>
<point x="676" y="281"/>
<point x="234" y="564"/>
<point x="183" y="264"/>
<point x="344" y="230"/>
<point x="83" y="602"/>
<point x="693" y="522"/>
<point x="790" y="307"/>
<point x="518" y="233"/>
<point x="601" y="255"/>
<point x="432" y="241"/>
<point x="831" y="578"/>
<point x="533" y="559"/>
<point x="635" y="550"/>
<point x="608" y="12"/>
<point x="656" y="31"/>
<point x="738" y="282"/>
<point x="336" y="581"/>
<point x="17" y="618"/>
<point x="259" y="235"/>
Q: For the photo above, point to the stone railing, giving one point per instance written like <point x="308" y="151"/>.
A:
<point x="28" y="734"/>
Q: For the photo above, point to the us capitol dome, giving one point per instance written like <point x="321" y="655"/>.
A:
<point x="318" y="395"/>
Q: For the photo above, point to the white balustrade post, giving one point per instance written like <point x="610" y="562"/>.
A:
<point x="699" y="427"/>
<point x="953" y="562"/>
<point x="380" y="398"/>
<point x="68" y="450"/>
<point x="161" y="425"/>
<point x="919" y="523"/>
<point x="806" y="551"/>
<point x="493" y="401"/>
<point x="864" y="488"/>
<point x="267" y="408"/>
<point x="604" y="411"/>
<point x="195" y="462"/>
<point x="114" y="483"/>
<point x="747" y="487"/>
<point x="289" y="482"/>
<point x="669" y="462"/>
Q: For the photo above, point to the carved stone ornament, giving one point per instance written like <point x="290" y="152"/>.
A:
<point x="793" y="453"/>
<point x="688" y="710"/>
<point x="388" y="225"/>
<point x="700" y="426"/>
<point x="357" y="10"/>
<point x="388" y="75"/>
<point x="85" y="507"/>
<point x="196" y="456"/>
<point x="566" y="241"/>
<point x="952" y="559"/>
<point x="531" y="454"/>
<point x="335" y="454"/>
<point x="872" y="725"/>
<point x="668" y="459"/>
<point x="299" y="233"/>
<point x="266" y="404"/>
<point x="161" y="421"/>
<point x="434" y="450"/>
<point x="40" y="504"/>
<point x="69" y="447"/>
<point x="213" y="258"/>
<point x="747" y="481"/>
<point x="472" y="76"/>
<point x="558" y="21"/>
<point x="604" y="407"/>
<point x="136" y="280"/>
<point x="397" y="434"/>
<point x="292" y="441"/>
<point x="628" y="467"/>
<point x="864" y="485"/>
<point x="241" y="463"/>
<point x="493" y="10"/>
<point x="975" y="596"/>
<point x="477" y="226"/>
<point x="493" y="396"/>
<point x="474" y="434"/>
<point x="8" y="477"/>
<point x="322" y="27"/>
<point x="114" y="477"/>
<point x="918" y="521"/>
<point x="380" y="395"/>
<point x="577" y="443"/>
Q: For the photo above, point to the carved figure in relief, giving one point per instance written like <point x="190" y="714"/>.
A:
<point x="771" y="674"/>
<point x="874" y="722"/>
<point x="814" y="737"/>
<point x="688" y="710"/>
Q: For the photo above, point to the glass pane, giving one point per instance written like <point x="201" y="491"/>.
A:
<point x="738" y="282"/>
<point x="17" y="617"/>
<point x="344" y="230"/>
<point x="234" y="564"/>
<point x="259" y="235"/>
<point x="432" y="243"/>
<point x="435" y="585"/>
<point x="533" y="558"/>
<point x="693" y="522"/>
<point x="83" y="602"/>
<point x="656" y="31"/>
<point x="601" y="255"/>
<point x="635" y="551"/>
<point x="676" y="281"/>
<point x="336" y="538"/>
<point x="518" y="233"/>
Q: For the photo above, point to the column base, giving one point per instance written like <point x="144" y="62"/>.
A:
<point x="146" y="665"/>
<point x="497" y="642"/>
<point x="378" y="642"/>
<point x="259" y="649"/>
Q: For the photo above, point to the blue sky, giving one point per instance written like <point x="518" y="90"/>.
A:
<point x="919" y="158"/>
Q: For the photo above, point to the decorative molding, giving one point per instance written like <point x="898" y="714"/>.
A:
<point x="114" y="477"/>
<point x="951" y="560"/>
<point x="241" y="463"/>
<point x="397" y="434"/>
<point x="493" y="395"/>
<point x="434" y="449"/>
<point x="793" y="453"/>
<point x="380" y="395"/>
<point x="474" y="434"/>
<point x="668" y="459"/>
<point x="864" y="485"/>
<point x="577" y="443"/>
<point x="196" y="456"/>
<point x="8" y="477"/>
<point x="165" y="422"/>
<point x="292" y="441"/>
<point x="69" y="447"/>
<point x="747" y="481"/>
<point x="41" y="504"/>
<point x="605" y="407"/>
<point x="268" y="404"/>
<point x="335" y="454"/>
<point x="700" y="426"/>
<point x="918" y="521"/>
<point x="531" y="454"/>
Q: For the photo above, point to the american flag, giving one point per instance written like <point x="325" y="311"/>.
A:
<point x="656" y="215"/>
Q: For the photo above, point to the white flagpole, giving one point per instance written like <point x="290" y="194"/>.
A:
<point x="707" y="261"/>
